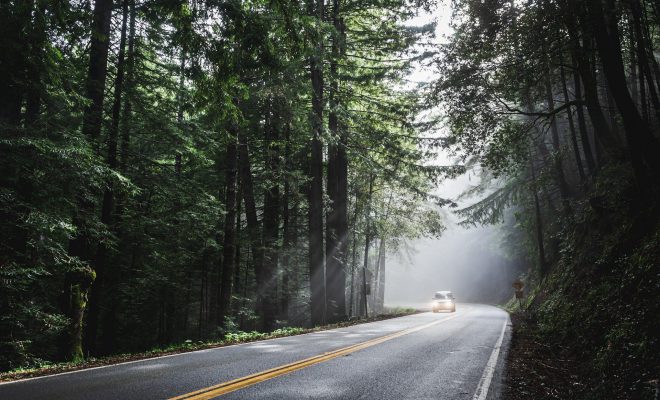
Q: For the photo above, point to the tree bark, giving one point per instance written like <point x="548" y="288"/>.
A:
<point x="35" y="65"/>
<point x="571" y="127"/>
<point x="574" y="19"/>
<point x="13" y="63"/>
<point x="564" y="189"/>
<point x="643" y="57"/>
<point x="106" y="279"/>
<point x="642" y="146"/>
<point x="247" y="188"/>
<point x="271" y="220"/>
<point x="98" y="68"/>
<point x="80" y="246"/>
<point x="337" y="225"/>
<point x="364" y="304"/>
<point x="584" y="134"/>
<point x="315" y="191"/>
<point x="380" y="277"/>
<point x="229" y="236"/>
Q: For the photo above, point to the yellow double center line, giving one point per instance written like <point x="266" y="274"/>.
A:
<point x="240" y="383"/>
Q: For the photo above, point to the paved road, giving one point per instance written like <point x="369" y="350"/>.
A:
<point x="423" y="356"/>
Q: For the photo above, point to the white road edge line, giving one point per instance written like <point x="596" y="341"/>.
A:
<point x="487" y="377"/>
<point x="189" y="352"/>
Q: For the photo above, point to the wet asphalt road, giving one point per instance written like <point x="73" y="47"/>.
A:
<point x="449" y="360"/>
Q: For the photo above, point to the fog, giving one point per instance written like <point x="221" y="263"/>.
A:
<point x="468" y="262"/>
<point x="465" y="261"/>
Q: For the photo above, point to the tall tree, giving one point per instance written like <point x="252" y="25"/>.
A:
<point x="77" y="283"/>
<point x="316" y="9"/>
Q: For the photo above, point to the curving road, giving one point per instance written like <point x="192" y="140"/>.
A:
<point x="422" y="356"/>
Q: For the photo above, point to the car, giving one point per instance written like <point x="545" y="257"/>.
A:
<point x="443" y="301"/>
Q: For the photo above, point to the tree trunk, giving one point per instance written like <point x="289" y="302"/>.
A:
<point x="642" y="56"/>
<point x="539" y="223"/>
<point x="580" y="50"/>
<point x="642" y="146"/>
<point x="571" y="127"/>
<point x="354" y="261"/>
<point x="229" y="236"/>
<point x="13" y="63"/>
<point x="106" y="279"/>
<point x="584" y="134"/>
<point x="380" y="292"/>
<point x="337" y="225"/>
<point x="288" y="215"/>
<point x="76" y="289"/>
<point x="267" y="288"/>
<point x="79" y="247"/>
<point x="98" y="68"/>
<point x="564" y="189"/>
<point x="129" y="87"/>
<point x="35" y="65"/>
<point x="364" y="304"/>
<point x="247" y="188"/>
<point x="315" y="191"/>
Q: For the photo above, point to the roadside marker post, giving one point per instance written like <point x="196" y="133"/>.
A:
<point x="518" y="286"/>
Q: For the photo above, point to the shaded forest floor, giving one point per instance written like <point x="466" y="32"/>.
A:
<point x="189" y="346"/>
<point x="536" y="370"/>
<point x="590" y="328"/>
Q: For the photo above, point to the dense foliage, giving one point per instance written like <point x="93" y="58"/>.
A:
<point x="559" y="102"/>
<point x="185" y="169"/>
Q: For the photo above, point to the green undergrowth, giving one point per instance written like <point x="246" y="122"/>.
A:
<point x="599" y="306"/>
<point x="229" y="338"/>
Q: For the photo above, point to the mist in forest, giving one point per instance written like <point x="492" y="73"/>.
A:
<point x="465" y="261"/>
<point x="468" y="261"/>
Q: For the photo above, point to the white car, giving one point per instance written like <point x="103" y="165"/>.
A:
<point x="443" y="301"/>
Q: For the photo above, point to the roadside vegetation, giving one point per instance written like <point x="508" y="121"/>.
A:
<point x="230" y="338"/>
<point x="557" y="105"/>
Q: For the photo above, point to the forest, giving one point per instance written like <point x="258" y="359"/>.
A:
<point x="188" y="168"/>
<point x="185" y="169"/>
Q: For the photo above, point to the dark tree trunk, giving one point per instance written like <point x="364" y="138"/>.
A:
<point x="203" y="288"/>
<point x="564" y="189"/>
<point x="288" y="215"/>
<point x="98" y="68"/>
<point x="580" y="50"/>
<point x="123" y="130"/>
<point x="13" y="63"/>
<point x="21" y="70"/>
<point x="247" y="189"/>
<point x="602" y="131"/>
<point x="337" y="225"/>
<point x="380" y="277"/>
<point x="129" y="87"/>
<point x="80" y="246"/>
<point x="35" y="65"/>
<point x="539" y="224"/>
<point x="229" y="236"/>
<point x="584" y="134"/>
<point x="267" y="295"/>
<point x="238" y="253"/>
<point x="641" y="143"/>
<point x="106" y="279"/>
<point x="354" y="259"/>
<point x="643" y="57"/>
<point x="315" y="191"/>
<point x="571" y="127"/>
<point x="364" y="304"/>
